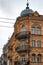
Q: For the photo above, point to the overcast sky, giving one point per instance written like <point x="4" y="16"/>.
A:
<point x="12" y="9"/>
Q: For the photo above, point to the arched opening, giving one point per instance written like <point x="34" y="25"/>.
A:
<point x="39" y="58"/>
<point x="33" y="58"/>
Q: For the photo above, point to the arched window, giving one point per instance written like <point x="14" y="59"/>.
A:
<point x="33" y="43"/>
<point x="23" y="28"/>
<point x="39" y="58"/>
<point x="33" y="57"/>
<point x="39" y="43"/>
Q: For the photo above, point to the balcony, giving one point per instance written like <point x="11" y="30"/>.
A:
<point x="23" y="34"/>
<point x="21" y="63"/>
<point x="17" y="63"/>
<point x="36" y="63"/>
<point x="9" y="47"/>
<point x="22" y="48"/>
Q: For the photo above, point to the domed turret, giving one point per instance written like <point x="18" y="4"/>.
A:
<point x="27" y="11"/>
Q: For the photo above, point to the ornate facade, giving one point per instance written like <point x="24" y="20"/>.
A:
<point x="26" y="43"/>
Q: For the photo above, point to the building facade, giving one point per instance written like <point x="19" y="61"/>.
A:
<point x="26" y="43"/>
<point x="4" y="56"/>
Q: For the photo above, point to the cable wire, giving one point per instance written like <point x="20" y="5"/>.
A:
<point x="6" y="22"/>
<point x="6" y="26"/>
<point x="8" y="18"/>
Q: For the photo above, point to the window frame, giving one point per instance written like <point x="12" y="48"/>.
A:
<point x="39" y="43"/>
<point x="33" y="58"/>
<point x="33" y="43"/>
<point x="39" y="58"/>
<point x="33" y="30"/>
<point x="23" y="43"/>
<point x="38" y="30"/>
<point x="23" y="28"/>
<point x="23" y="59"/>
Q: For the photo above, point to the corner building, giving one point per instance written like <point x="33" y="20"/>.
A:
<point x="26" y="43"/>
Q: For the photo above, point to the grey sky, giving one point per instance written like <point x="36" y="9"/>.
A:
<point x="12" y="9"/>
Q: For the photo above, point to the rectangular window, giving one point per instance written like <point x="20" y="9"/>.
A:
<point x="33" y="30"/>
<point x="38" y="31"/>
<point x="23" y="43"/>
<point x="33" y="43"/>
<point x="23" y="59"/>
<point x="23" y="28"/>
<point x="39" y="43"/>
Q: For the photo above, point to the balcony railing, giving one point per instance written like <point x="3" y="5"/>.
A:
<point x="30" y="63"/>
<point x="36" y="63"/>
<point x="21" y="63"/>
<point x="23" y="34"/>
<point x="22" y="48"/>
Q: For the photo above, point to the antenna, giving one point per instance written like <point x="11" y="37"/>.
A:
<point x="27" y="5"/>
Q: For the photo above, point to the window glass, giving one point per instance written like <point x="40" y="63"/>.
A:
<point x="33" y="43"/>
<point x="39" y="58"/>
<point x="33" y="30"/>
<point x="23" y="28"/>
<point x="39" y="43"/>
<point x="23" y="59"/>
<point x="38" y="31"/>
<point x="23" y="43"/>
<point x="8" y="62"/>
<point x="33" y="57"/>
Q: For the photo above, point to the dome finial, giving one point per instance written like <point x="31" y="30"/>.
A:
<point x="27" y="5"/>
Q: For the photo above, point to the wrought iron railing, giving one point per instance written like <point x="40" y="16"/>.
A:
<point x="22" y="48"/>
<point x="24" y="34"/>
<point x="36" y="63"/>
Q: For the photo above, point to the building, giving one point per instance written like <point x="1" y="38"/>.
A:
<point x="0" y="60"/>
<point x="26" y="43"/>
<point x="4" y="55"/>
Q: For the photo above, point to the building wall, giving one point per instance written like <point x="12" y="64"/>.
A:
<point x="33" y="20"/>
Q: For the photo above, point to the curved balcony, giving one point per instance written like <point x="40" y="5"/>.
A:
<point x="21" y="63"/>
<point x="23" y="34"/>
<point x="36" y="63"/>
<point x="22" y="48"/>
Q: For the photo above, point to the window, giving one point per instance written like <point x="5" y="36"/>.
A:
<point x="39" y="58"/>
<point x="33" y="30"/>
<point x="8" y="62"/>
<point x="16" y="63"/>
<point x="33" y="43"/>
<point x="33" y="57"/>
<point x="23" y="59"/>
<point x="39" y="43"/>
<point x="23" y="43"/>
<point x="23" y="28"/>
<point x="38" y="31"/>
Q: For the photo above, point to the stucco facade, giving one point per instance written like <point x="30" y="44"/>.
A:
<point x="25" y="46"/>
<point x="21" y="52"/>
